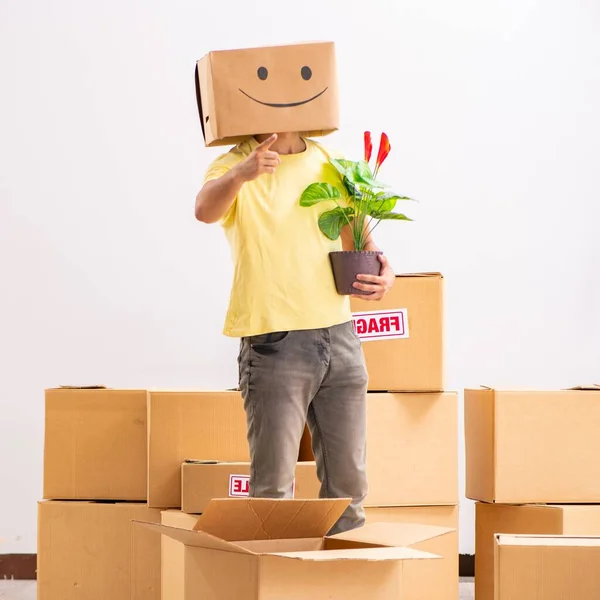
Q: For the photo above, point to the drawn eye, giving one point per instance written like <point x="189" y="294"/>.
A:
<point x="262" y="73"/>
<point x="306" y="73"/>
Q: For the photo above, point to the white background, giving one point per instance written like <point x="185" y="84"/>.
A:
<point x="492" y="110"/>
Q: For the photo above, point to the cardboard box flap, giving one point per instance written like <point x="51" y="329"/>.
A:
<point x="197" y="539"/>
<point x="393" y="534"/>
<point x="425" y="274"/>
<point x="245" y="519"/>
<point x="592" y="387"/>
<point x="359" y="554"/>
<point x="80" y="387"/>
<point x="547" y="540"/>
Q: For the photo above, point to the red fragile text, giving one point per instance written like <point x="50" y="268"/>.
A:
<point x="380" y="324"/>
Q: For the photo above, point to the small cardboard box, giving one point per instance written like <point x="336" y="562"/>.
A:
<point x="90" y="550"/>
<point x="203" y="425"/>
<point x="402" y="335"/>
<point x="412" y="456"/>
<point x="547" y="567"/>
<point x="526" y="447"/>
<point x="203" y="481"/>
<point x="95" y="444"/>
<point x="491" y="519"/>
<point x="279" y="549"/>
<point x="437" y="581"/>
<point x="273" y="89"/>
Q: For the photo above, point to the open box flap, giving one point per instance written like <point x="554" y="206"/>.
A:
<point x="245" y="519"/>
<point x="393" y="534"/>
<point x="359" y="554"/>
<point x="196" y="539"/>
<point x="590" y="387"/>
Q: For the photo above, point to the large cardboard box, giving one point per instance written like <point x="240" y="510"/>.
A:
<point x="491" y="519"/>
<point x="91" y="551"/>
<point x="547" y="568"/>
<point x="532" y="446"/>
<point x="412" y="449"/>
<point x="267" y="90"/>
<point x="95" y="444"/>
<point x="275" y="548"/>
<point x="438" y="581"/>
<point x="402" y="335"/>
<point x="183" y="425"/>
<point x="201" y="482"/>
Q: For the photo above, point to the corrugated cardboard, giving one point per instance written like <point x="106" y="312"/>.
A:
<point x="423" y="581"/>
<point x="412" y="456"/>
<point x="403" y="335"/>
<point x="95" y="444"/>
<point x="272" y="89"/>
<point x="491" y="519"/>
<point x="201" y="482"/>
<point x="532" y="446"/>
<point x="283" y="542"/>
<point x="89" y="550"/>
<point x="182" y="425"/>
<point x="547" y="568"/>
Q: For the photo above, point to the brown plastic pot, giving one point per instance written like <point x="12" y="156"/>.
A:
<point x="347" y="265"/>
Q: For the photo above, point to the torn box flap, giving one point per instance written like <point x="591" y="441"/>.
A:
<point x="246" y="519"/>
<point x="393" y="534"/>
<point x="196" y="539"/>
<point x="359" y="554"/>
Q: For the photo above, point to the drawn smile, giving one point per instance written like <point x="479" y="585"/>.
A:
<point x="283" y="104"/>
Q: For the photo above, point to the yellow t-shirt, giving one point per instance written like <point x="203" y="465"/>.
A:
<point x="282" y="278"/>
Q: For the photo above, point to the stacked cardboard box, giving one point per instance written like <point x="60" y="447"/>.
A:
<point x="532" y="467"/>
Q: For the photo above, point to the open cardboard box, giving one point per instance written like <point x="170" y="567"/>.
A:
<point x="259" y="548"/>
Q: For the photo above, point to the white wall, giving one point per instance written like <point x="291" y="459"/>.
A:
<point x="492" y="110"/>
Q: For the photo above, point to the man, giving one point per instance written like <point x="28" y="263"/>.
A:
<point x="300" y="360"/>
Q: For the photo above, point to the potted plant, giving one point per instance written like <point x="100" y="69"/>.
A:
<point x="363" y="204"/>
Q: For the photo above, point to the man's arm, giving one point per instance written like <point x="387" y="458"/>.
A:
<point x="216" y="196"/>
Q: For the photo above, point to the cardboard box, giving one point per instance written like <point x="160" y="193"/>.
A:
<point x="272" y="89"/>
<point x="172" y="555"/>
<point x="412" y="455"/>
<point x="95" y="444"/>
<point x="402" y="335"/>
<point x="532" y="446"/>
<point x="548" y="568"/>
<point x="182" y="425"/>
<point x="437" y="581"/>
<point x="275" y="548"/>
<point x="491" y="519"/>
<point x="90" y="550"/>
<point x="201" y="482"/>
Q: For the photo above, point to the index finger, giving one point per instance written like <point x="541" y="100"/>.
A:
<point x="267" y="143"/>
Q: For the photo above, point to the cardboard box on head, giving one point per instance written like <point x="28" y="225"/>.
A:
<point x="274" y="89"/>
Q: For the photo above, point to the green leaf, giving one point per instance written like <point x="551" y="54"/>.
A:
<point x="361" y="175"/>
<point x="386" y="216"/>
<point x="332" y="221"/>
<point x="319" y="192"/>
<point x="344" y="167"/>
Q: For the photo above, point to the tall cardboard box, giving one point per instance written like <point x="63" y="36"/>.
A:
<point x="402" y="335"/>
<point x="91" y="551"/>
<point x="437" y="581"/>
<point x="547" y="567"/>
<point x="95" y="444"/>
<point x="491" y="519"/>
<point x="412" y="455"/>
<point x="527" y="447"/>
<point x="183" y="425"/>
<point x="201" y="482"/>
<point x="272" y="89"/>
<point x="275" y="548"/>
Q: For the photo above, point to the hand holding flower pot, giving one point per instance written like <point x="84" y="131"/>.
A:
<point x="362" y="205"/>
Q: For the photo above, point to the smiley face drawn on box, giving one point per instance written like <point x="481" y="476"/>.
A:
<point x="267" y="90"/>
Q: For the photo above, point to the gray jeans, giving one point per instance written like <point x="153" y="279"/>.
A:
<point x="317" y="376"/>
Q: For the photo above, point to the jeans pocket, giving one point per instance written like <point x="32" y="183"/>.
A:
<point x="267" y="341"/>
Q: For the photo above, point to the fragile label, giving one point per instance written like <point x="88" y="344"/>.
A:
<point x="381" y="324"/>
<point x="239" y="486"/>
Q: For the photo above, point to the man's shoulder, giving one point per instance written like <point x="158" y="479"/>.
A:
<point x="232" y="156"/>
<point x="325" y="151"/>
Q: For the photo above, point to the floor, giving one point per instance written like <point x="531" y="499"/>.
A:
<point x="25" y="590"/>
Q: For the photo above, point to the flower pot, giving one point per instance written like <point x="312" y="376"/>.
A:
<point x="347" y="265"/>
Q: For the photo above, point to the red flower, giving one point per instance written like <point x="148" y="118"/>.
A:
<point x="368" y="146"/>
<point x="384" y="150"/>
